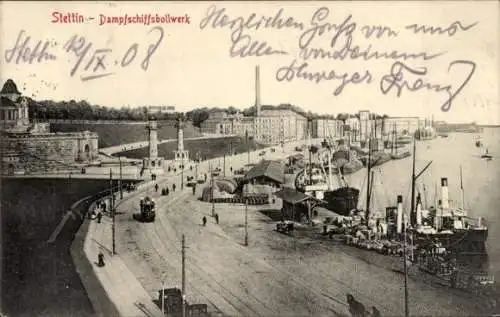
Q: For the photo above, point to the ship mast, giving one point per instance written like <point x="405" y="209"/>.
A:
<point x="462" y="189"/>
<point x="368" y="164"/>
<point x="310" y="155"/>
<point x="413" y="182"/>
<point x="329" y="155"/>
<point x="394" y="138"/>
<point x="413" y="179"/>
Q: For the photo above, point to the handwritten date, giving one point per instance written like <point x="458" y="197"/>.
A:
<point x="91" y="61"/>
<point x="96" y="63"/>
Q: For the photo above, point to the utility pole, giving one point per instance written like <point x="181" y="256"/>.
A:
<point x="183" y="253"/>
<point x="212" y="190"/>
<point x="224" y="166"/>
<point x="246" y="222"/>
<point x="112" y="203"/>
<point x="163" y="297"/>
<point x="121" y="179"/>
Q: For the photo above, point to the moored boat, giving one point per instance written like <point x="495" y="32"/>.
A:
<point x="452" y="227"/>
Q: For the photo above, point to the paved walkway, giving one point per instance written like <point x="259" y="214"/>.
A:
<point x="112" y="289"/>
<point x="120" y="284"/>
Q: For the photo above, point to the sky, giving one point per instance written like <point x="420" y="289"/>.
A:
<point x="192" y="65"/>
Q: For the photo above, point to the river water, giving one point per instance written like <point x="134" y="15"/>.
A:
<point x="481" y="182"/>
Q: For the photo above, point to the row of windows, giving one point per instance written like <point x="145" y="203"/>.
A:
<point x="9" y="115"/>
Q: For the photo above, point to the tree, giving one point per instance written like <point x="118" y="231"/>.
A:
<point x="313" y="149"/>
<point x="342" y="117"/>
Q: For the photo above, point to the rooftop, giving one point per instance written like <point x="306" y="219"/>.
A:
<point x="292" y="196"/>
<point x="10" y="87"/>
<point x="270" y="169"/>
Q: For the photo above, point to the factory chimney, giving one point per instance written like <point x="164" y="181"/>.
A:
<point x="445" y="199"/>
<point x="257" y="90"/>
<point x="419" y="210"/>
<point x="399" y="217"/>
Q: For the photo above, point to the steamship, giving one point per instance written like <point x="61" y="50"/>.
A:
<point x="448" y="226"/>
<point x="319" y="183"/>
<point x="451" y="226"/>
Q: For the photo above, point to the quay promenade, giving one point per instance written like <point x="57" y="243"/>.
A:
<point x="113" y="289"/>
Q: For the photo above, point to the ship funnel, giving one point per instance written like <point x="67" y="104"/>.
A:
<point x="445" y="200"/>
<point x="419" y="210"/>
<point x="399" y="220"/>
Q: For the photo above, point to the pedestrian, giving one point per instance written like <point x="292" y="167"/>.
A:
<point x="205" y="177"/>
<point x="217" y="218"/>
<point x="99" y="216"/>
<point x="103" y="205"/>
<point x="156" y="188"/>
<point x="100" y="259"/>
<point x="173" y="187"/>
<point x="166" y="190"/>
<point x="231" y="169"/>
<point x="194" y="190"/>
<point x="204" y="219"/>
<point x="356" y="308"/>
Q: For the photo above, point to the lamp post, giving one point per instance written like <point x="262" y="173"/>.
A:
<point x="112" y="207"/>
<point x="183" y="254"/>
<point x="246" y="222"/>
<point x="163" y="297"/>
<point x="121" y="178"/>
<point x="182" y="172"/>
<point x="212" y="189"/>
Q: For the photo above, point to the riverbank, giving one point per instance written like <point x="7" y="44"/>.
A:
<point x="39" y="278"/>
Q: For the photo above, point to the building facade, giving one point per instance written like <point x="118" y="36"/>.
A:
<point x="402" y="125"/>
<point x="29" y="147"/>
<point x="269" y="127"/>
<point x="324" y="128"/>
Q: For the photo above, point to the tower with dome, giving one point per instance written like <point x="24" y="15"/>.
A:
<point x="28" y="147"/>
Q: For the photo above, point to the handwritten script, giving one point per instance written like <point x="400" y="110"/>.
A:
<point x="323" y="38"/>
<point x="87" y="59"/>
